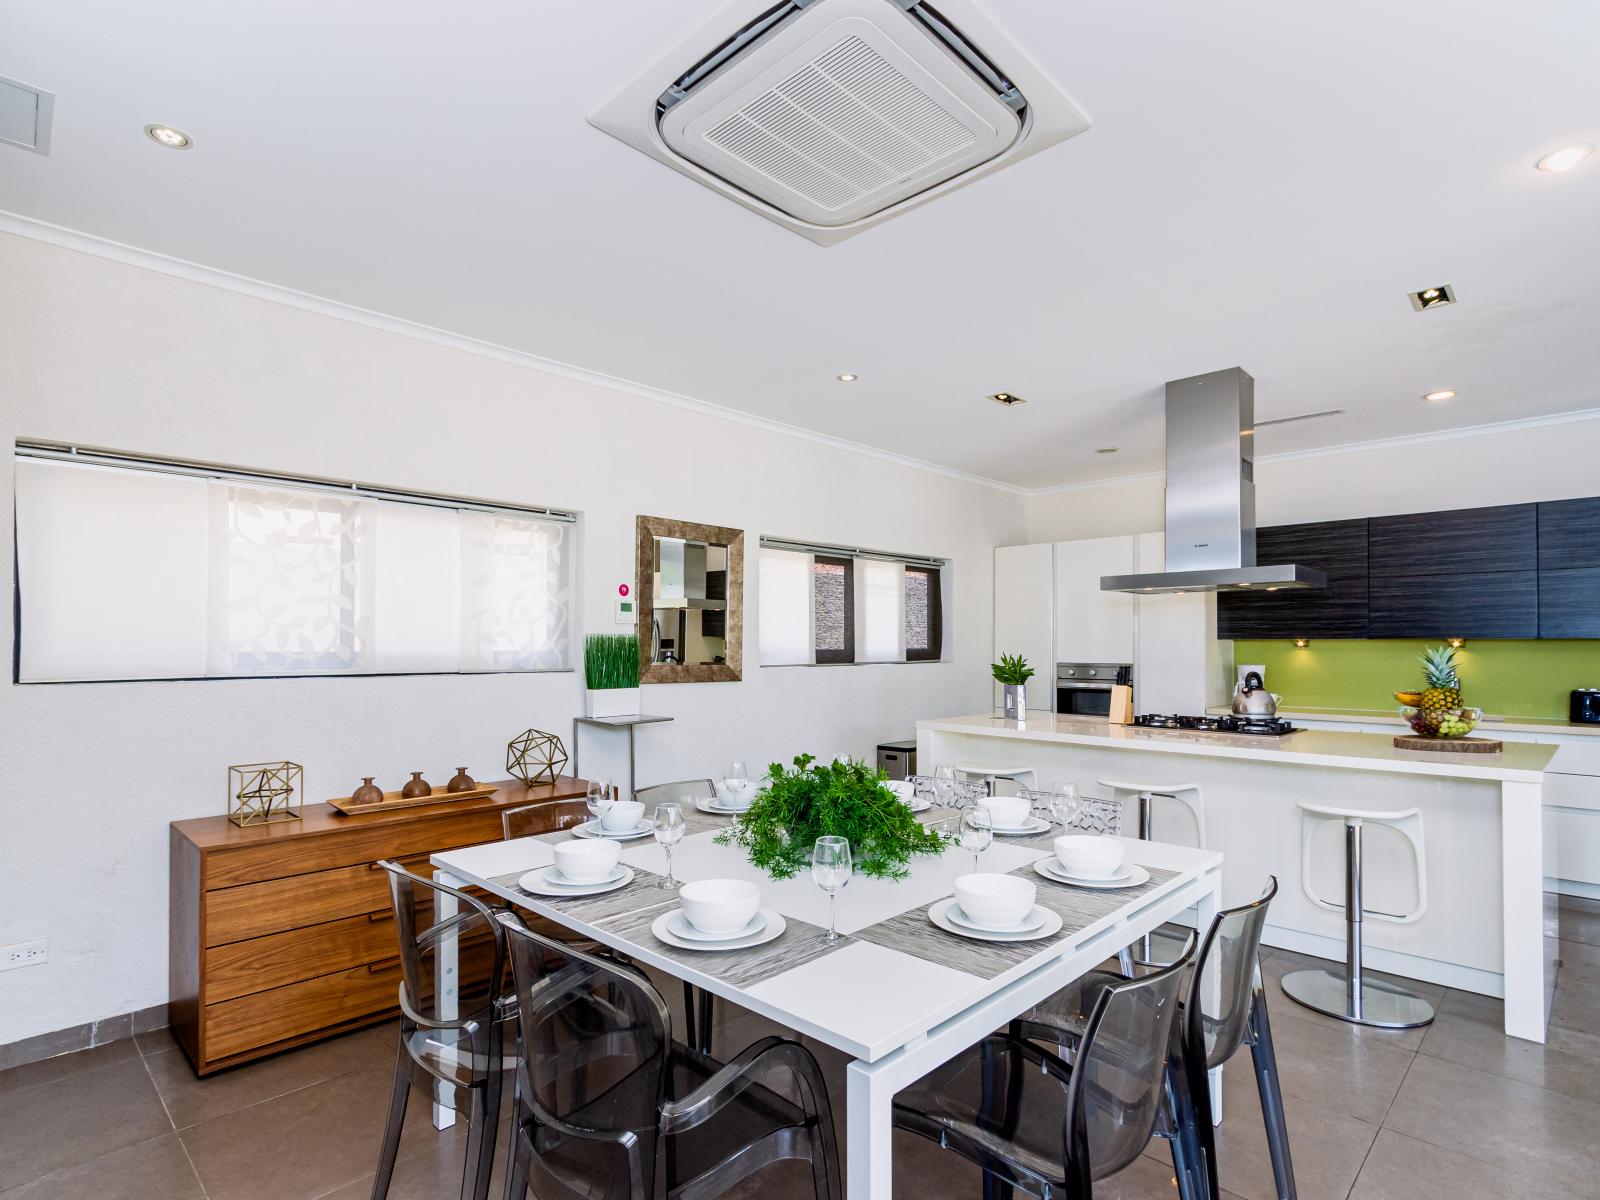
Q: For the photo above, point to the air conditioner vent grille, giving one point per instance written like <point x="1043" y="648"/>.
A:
<point x="845" y="125"/>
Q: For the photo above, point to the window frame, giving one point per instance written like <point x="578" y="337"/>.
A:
<point x="848" y="653"/>
<point x="935" y="649"/>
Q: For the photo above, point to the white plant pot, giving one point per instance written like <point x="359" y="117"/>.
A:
<point x="613" y="702"/>
<point x="1016" y="702"/>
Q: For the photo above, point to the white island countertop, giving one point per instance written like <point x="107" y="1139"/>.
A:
<point x="1519" y="762"/>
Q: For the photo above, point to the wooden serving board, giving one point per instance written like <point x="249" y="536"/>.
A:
<point x="1460" y="745"/>
<point x="396" y="800"/>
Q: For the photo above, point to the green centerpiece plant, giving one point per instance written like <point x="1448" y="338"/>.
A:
<point x="845" y="799"/>
<point x="1013" y="672"/>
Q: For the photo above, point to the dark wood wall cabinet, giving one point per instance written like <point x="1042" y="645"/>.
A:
<point x="284" y="934"/>
<point x="1509" y="571"/>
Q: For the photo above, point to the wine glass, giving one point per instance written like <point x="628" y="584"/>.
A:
<point x="599" y="798"/>
<point x="944" y="784"/>
<point x="1064" y="804"/>
<point x="669" y="829"/>
<point x="830" y="867"/>
<point x="977" y="832"/>
<point x="734" y="778"/>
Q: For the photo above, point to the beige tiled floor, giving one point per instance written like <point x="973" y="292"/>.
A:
<point x="1453" y="1110"/>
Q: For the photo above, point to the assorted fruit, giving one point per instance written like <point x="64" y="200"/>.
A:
<point x="1452" y="723"/>
<point x="1436" y="710"/>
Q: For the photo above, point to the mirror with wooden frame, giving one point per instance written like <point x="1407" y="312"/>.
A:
<point x="691" y="601"/>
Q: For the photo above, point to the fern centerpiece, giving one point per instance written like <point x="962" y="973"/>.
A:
<point x="845" y="799"/>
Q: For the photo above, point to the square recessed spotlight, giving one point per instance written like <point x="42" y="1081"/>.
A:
<point x="1434" y="297"/>
<point x="1006" y="398"/>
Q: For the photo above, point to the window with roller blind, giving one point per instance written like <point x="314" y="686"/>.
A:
<point x="832" y="604"/>
<point x="139" y="569"/>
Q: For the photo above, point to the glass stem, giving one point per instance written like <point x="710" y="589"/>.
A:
<point x="833" y="931"/>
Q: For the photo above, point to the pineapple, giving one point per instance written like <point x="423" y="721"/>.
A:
<point x="1443" y="693"/>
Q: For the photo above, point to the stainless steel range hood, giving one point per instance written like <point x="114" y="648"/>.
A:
<point x="1211" y="495"/>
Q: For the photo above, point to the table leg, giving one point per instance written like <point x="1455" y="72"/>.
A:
<point x="1205" y="912"/>
<point x="869" y="1143"/>
<point x="1522" y="909"/>
<point x="446" y="977"/>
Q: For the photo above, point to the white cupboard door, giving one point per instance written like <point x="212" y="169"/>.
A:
<point x="1091" y="625"/>
<point x="1023" y="576"/>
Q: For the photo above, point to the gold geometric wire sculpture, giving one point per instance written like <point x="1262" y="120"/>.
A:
<point x="535" y="756"/>
<point x="261" y="793"/>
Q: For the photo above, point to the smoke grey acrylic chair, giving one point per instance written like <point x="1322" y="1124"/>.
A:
<point x="547" y="816"/>
<point x="1034" y="1121"/>
<point x="1224" y="1007"/>
<point x="697" y="1005"/>
<point x="455" y="1060"/>
<point x="608" y="1105"/>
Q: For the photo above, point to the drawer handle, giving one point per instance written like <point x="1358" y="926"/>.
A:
<point x="410" y="864"/>
<point x="375" y="917"/>
<point x="380" y="968"/>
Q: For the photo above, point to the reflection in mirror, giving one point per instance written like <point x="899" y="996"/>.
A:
<point x="689" y="623"/>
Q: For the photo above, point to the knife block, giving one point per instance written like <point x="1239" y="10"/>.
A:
<point x="1121" y="712"/>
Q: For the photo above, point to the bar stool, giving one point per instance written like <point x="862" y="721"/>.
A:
<point x="1141" y="797"/>
<point x="1351" y="996"/>
<point x="988" y="773"/>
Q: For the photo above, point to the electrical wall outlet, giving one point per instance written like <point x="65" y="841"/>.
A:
<point x="24" y="954"/>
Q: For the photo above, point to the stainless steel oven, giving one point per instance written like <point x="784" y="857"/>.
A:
<point x="1084" y="689"/>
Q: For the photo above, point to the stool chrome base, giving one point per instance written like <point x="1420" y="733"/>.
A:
<point x="1381" y="1005"/>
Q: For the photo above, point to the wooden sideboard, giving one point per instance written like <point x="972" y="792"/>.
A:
<point x="283" y="934"/>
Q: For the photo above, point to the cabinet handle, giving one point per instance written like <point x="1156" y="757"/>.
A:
<point x="375" y="917"/>
<point x="380" y="968"/>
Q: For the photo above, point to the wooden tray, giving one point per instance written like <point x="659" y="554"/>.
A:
<point x="1460" y="745"/>
<point x="396" y="800"/>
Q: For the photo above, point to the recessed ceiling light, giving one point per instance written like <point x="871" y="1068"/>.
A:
<point x="847" y="377"/>
<point x="172" y="139"/>
<point x="1434" y="297"/>
<point x="1108" y="449"/>
<point x="1441" y="394"/>
<point x="1007" y="398"/>
<point x="1565" y="158"/>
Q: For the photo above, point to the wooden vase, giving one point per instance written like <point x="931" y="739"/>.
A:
<point x="418" y="786"/>
<point x="460" y="781"/>
<point x="367" y="793"/>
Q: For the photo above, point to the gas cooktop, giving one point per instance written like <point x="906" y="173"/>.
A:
<point x="1261" y="726"/>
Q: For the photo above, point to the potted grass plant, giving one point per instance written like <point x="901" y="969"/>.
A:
<point x="1013" y="672"/>
<point x="611" y="674"/>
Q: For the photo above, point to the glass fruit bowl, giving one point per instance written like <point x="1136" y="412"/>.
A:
<point x="1442" y="723"/>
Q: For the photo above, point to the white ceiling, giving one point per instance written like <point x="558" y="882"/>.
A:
<point x="1263" y="184"/>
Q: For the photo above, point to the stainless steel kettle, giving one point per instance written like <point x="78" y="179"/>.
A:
<point x="1251" y="698"/>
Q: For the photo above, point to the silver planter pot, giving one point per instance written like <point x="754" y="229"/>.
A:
<point x="1016" y="702"/>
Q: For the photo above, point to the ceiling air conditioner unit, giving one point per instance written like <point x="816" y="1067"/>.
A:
<point x="829" y="116"/>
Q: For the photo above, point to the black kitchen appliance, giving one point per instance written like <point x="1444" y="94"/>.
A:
<point x="1258" y="726"/>
<point x="1585" y="708"/>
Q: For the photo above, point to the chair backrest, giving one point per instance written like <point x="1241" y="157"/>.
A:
<point x="547" y="816"/>
<point x="683" y="789"/>
<point x="596" y="1044"/>
<point x="1217" y="1007"/>
<point x="1118" y="1081"/>
<point x="472" y="933"/>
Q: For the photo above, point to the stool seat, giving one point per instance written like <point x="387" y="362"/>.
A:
<point x="989" y="772"/>
<point x="1142" y="796"/>
<point x="1349" y="995"/>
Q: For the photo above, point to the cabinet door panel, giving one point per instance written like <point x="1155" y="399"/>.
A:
<point x="1339" y="610"/>
<point x="1569" y="534"/>
<point x="1024" y="578"/>
<point x="1091" y="625"/>
<point x="1498" y="604"/>
<point x="1458" y="542"/>
<point x="1569" y="603"/>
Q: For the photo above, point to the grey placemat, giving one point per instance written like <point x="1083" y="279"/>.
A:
<point x="641" y="893"/>
<point x="913" y="933"/>
<point x="799" y="943"/>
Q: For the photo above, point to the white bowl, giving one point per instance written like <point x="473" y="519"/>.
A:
<point x="587" y="860"/>
<point x="622" y="817"/>
<point x="737" y="796"/>
<point x="1007" y="812"/>
<point x="719" y="905"/>
<point x="904" y="789"/>
<point x="1090" y="857"/>
<point x="995" y="901"/>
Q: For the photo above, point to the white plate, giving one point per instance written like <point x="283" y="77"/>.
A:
<point x="678" y="925"/>
<point x="1035" y="825"/>
<point x="774" y="929"/>
<point x="917" y="804"/>
<point x="537" y="883"/>
<point x="1053" y="871"/>
<point x="591" y="829"/>
<point x="1030" y="923"/>
<point x="715" y="807"/>
<point x="939" y="915"/>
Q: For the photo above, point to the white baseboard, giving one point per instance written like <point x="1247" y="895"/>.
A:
<point x="1410" y="966"/>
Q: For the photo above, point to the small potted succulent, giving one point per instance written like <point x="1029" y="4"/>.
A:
<point x="1013" y="672"/>
<point x="611" y="672"/>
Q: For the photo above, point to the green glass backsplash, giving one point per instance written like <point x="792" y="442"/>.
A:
<point x="1513" y="679"/>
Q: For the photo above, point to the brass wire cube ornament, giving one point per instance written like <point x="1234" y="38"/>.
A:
<point x="535" y="756"/>
<point x="262" y="793"/>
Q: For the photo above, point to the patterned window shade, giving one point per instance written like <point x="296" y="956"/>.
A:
<point x="833" y="609"/>
<point x="924" y="625"/>
<point x="219" y="578"/>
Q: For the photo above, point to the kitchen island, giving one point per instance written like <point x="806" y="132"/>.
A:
<point x="1483" y="930"/>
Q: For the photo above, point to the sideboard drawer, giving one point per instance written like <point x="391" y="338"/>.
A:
<point x="263" y="963"/>
<point x="255" y="909"/>
<point x="262" y="1018"/>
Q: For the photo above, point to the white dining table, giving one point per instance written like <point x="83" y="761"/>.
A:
<point x="895" y="993"/>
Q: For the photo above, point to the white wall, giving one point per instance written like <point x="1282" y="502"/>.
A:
<point x="112" y="355"/>
<point x="1508" y="465"/>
